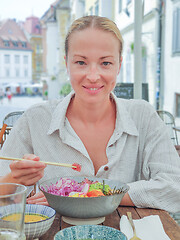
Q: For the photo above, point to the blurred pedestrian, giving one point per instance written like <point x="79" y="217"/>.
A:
<point x="9" y="95"/>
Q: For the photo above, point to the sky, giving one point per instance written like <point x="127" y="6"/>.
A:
<point x="21" y="9"/>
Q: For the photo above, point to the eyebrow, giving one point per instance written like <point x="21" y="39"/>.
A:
<point x="76" y="55"/>
<point x="107" y="57"/>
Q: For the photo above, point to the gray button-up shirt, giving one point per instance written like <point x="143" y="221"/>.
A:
<point x="140" y="151"/>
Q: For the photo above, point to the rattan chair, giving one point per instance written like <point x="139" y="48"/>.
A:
<point x="12" y="117"/>
<point x="169" y="120"/>
<point x="4" y="131"/>
<point x="9" y="121"/>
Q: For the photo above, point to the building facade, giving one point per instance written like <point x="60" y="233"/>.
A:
<point x="15" y="57"/>
<point x="32" y="29"/>
<point x="171" y="87"/>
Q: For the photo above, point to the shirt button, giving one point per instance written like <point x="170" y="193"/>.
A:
<point x="106" y="168"/>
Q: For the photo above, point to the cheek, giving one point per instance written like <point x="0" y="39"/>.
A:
<point x="74" y="78"/>
<point x="111" y="76"/>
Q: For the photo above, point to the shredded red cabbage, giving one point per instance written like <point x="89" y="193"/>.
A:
<point x="65" y="186"/>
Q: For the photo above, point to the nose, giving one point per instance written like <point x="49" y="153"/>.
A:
<point x="93" y="73"/>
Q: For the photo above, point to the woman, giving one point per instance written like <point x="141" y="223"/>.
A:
<point x="110" y="137"/>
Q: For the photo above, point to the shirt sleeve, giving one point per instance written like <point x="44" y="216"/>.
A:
<point x="159" y="186"/>
<point x="17" y="143"/>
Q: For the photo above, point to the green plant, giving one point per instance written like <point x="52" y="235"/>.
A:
<point x="143" y="49"/>
<point x="53" y="77"/>
<point x="132" y="47"/>
<point x="66" y="89"/>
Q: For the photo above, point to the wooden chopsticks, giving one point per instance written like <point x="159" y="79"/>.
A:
<point x="48" y="163"/>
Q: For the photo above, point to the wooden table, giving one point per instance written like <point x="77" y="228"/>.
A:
<point x="170" y="226"/>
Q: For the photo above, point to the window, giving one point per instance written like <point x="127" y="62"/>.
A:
<point x="25" y="72"/>
<point x="38" y="66"/>
<point x="7" y="72"/>
<point x="15" y="43"/>
<point x="6" y="43"/>
<point x="16" y="59"/>
<point x="25" y="58"/>
<point x="6" y="58"/>
<point x="120" y="6"/>
<point x="128" y="2"/>
<point x="24" y="44"/>
<point x="97" y="8"/>
<point x="176" y="31"/>
<point x="38" y="49"/>
<point x="177" y="104"/>
<point x="17" y="72"/>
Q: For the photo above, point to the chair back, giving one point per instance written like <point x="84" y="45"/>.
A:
<point x="169" y="120"/>
<point x="4" y="131"/>
<point x="12" y="117"/>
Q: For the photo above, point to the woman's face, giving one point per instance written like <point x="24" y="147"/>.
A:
<point x="93" y="64"/>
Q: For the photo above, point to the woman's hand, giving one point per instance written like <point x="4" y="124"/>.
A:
<point x="38" y="198"/>
<point x="27" y="172"/>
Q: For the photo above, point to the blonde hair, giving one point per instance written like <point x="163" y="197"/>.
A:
<point x="96" y="22"/>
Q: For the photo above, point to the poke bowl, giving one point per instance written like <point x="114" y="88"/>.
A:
<point x="82" y="200"/>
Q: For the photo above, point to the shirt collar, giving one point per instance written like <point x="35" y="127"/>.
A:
<point x="59" y="115"/>
<point x="124" y="121"/>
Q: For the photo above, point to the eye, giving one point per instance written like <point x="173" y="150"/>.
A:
<point x="106" y="63"/>
<point x="80" y="62"/>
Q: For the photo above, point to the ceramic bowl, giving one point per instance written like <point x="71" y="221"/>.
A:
<point x="37" y="229"/>
<point x="90" y="232"/>
<point x="85" y="208"/>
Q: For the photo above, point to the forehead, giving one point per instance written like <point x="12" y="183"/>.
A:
<point x="93" y="38"/>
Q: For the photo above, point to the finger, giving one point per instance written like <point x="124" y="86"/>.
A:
<point x="20" y="172"/>
<point x="29" y="180"/>
<point x="38" y="198"/>
<point x="26" y="164"/>
<point x="37" y="195"/>
<point x="33" y="200"/>
<point x="38" y="201"/>
<point x="27" y="174"/>
<point x="31" y="157"/>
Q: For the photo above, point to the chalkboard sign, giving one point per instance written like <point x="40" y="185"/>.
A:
<point x="126" y="90"/>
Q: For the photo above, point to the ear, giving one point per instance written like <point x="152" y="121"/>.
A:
<point x="119" y="65"/>
<point x="65" y="59"/>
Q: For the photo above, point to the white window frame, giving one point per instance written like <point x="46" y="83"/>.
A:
<point x="16" y="59"/>
<point x="25" y="59"/>
<point x="6" y="58"/>
<point x="176" y="32"/>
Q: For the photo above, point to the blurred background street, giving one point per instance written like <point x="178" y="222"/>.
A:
<point x="17" y="103"/>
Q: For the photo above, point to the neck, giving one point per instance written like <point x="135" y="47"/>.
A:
<point x="91" y="113"/>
